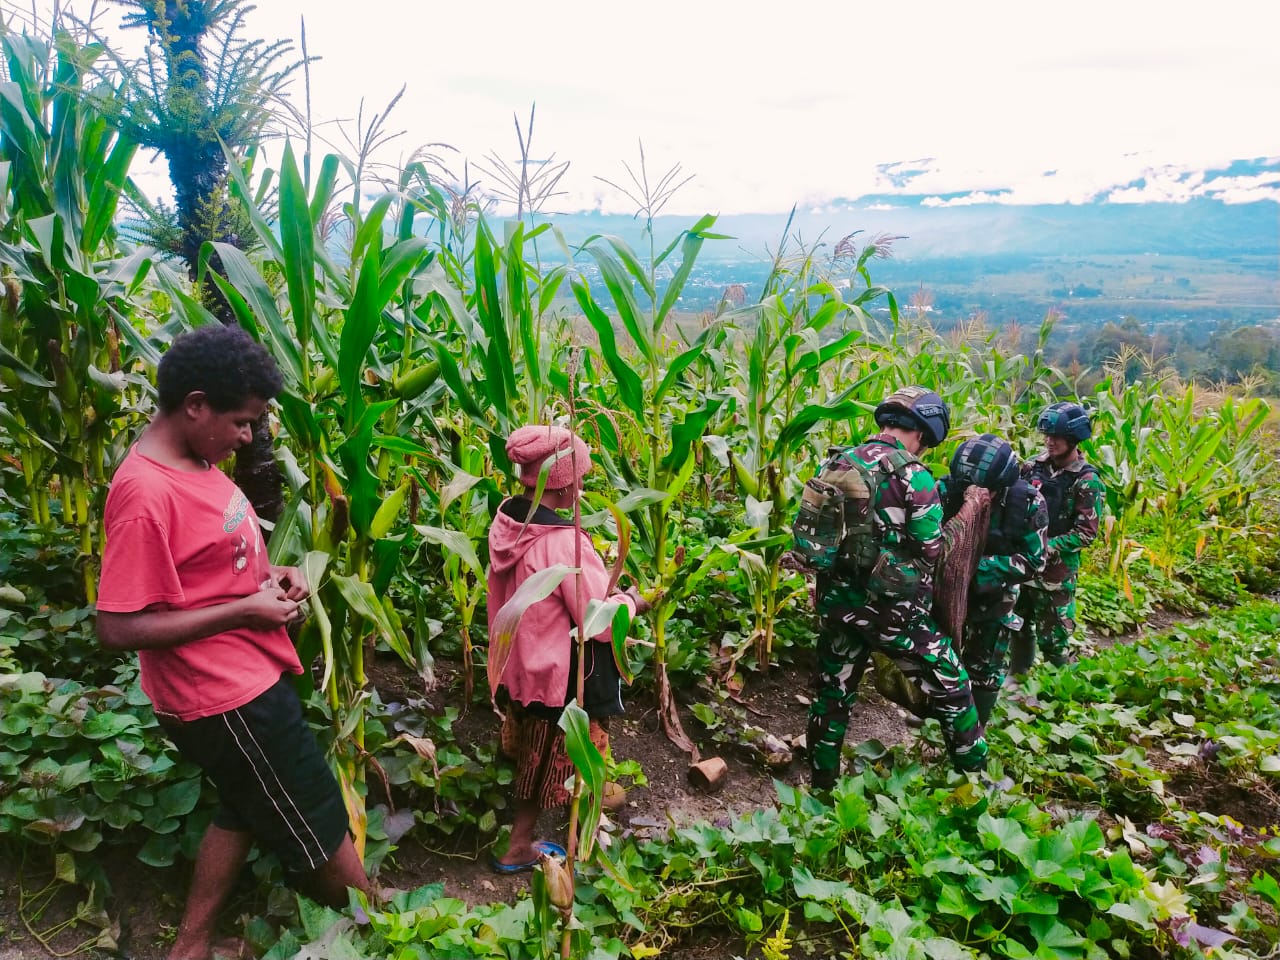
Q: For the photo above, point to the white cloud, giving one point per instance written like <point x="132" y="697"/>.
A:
<point x="805" y="103"/>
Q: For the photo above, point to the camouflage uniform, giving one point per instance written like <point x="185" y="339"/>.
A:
<point x="1048" y="603"/>
<point x="1015" y="551"/>
<point x="853" y="622"/>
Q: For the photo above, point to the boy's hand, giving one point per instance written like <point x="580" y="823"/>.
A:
<point x="292" y="581"/>
<point x="268" y="609"/>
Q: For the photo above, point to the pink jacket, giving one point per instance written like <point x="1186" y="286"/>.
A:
<point x="538" y="667"/>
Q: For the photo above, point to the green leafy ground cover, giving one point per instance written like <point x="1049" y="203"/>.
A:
<point x="1136" y="816"/>
<point x="1088" y="850"/>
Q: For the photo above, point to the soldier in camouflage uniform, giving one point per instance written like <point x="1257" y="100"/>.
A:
<point x="1075" y="497"/>
<point x="886" y="606"/>
<point x="1013" y="553"/>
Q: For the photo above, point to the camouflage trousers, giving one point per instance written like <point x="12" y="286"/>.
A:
<point x="906" y="633"/>
<point x="988" y="630"/>
<point x="1049" y="620"/>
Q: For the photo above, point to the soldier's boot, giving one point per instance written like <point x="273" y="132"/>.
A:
<point x="822" y="781"/>
<point x="824" y="761"/>
<point x="985" y="701"/>
<point x="1022" y="653"/>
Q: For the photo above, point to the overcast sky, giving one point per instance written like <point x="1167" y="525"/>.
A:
<point x="771" y="104"/>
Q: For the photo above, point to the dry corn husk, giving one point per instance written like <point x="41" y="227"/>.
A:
<point x="559" y="882"/>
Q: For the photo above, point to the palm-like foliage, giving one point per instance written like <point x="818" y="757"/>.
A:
<point x="200" y="84"/>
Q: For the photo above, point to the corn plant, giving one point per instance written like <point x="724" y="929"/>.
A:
<point x="650" y="447"/>
<point x="66" y="326"/>
<point x="462" y="511"/>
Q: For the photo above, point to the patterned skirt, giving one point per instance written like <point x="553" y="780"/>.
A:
<point x="543" y="767"/>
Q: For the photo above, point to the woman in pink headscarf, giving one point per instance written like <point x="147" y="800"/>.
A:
<point x="540" y="674"/>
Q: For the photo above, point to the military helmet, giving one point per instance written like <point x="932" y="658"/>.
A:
<point x="916" y="408"/>
<point x="1065" y="419"/>
<point x="985" y="461"/>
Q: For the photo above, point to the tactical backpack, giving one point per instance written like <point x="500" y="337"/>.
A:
<point x="1009" y="521"/>
<point x="835" y="528"/>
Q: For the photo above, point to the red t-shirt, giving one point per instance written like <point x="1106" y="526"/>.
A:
<point x="190" y="540"/>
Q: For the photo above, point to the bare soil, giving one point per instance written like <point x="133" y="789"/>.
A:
<point x="776" y="701"/>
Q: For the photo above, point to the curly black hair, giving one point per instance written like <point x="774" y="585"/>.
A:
<point x="224" y="363"/>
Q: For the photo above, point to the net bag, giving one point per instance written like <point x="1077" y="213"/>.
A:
<point x="964" y="537"/>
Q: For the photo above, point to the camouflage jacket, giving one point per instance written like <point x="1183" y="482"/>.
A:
<point x="1074" y="524"/>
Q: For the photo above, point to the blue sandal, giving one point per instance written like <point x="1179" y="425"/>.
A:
<point x="544" y="848"/>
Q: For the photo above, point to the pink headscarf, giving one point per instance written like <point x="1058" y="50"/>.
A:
<point x="529" y="447"/>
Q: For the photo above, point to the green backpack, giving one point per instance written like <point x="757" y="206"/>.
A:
<point x="835" y="527"/>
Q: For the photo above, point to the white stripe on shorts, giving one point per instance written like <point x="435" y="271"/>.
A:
<point x="284" y="814"/>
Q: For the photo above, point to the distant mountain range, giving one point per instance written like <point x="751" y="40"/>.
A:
<point x="1215" y="220"/>
<point x="1206" y="219"/>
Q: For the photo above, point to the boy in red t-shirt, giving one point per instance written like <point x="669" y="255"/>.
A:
<point x="186" y="582"/>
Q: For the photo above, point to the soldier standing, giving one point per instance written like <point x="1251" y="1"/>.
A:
<point x="877" y="594"/>
<point x="1013" y="553"/>
<point x="1074" y="495"/>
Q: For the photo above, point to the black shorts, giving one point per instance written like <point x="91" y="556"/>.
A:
<point x="271" y="777"/>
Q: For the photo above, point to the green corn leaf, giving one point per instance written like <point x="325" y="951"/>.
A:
<point x="104" y="194"/>
<point x="802" y="423"/>
<point x="369" y="235"/>
<point x="630" y="386"/>
<point x="549" y="287"/>
<point x="455" y="542"/>
<point x="536" y="588"/>
<point x="498" y="359"/>
<point x="325" y="184"/>
<point x="677" y="367"/>
<point x="589" y="762"/>
<point x="23" y="372"/>
<point x="403" y="445"/>
<point x="363" y="487"/>
<point x="624" y="301"/>
<point x="519" y="309"/>
<point x="636" y="499"/>
<point x="385" y="516"/>
<point x="601" y="616"/>
<point x="297" y="238"/>
<point x="686" y="432"/>
<point x="362" y="599"/>
<point x="291" y="533"/>
<point x="244" y="193"/>
<point x="691" y="245"/>
<point x="359" y="329"/>
<point x="676" y="484"/>
<point x="402" y="259"/>
<point x="248" y="282"/>
<point x="452" y="377"/>
<point x="630" y="262"/>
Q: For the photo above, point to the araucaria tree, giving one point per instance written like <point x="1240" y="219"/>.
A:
<point x="199" y="87"/>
